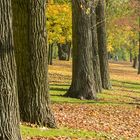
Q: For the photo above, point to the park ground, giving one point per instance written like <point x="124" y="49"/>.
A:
<point x="114" y="116"/>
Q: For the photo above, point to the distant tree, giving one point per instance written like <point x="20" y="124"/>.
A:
<point x="50" y="54"/>
<point x="83" y="82"/>
<point x="64" y="51"/>
<point x="102" y="44"/>
<point x="123" y="35"/>
<point x="135" y="62"/>
<point x="9" y="115"/>
<point x="131" y="55"/>
<point x="139" y="47"/>
<point x="59" y="25"/>
<point x="30" y="37"/>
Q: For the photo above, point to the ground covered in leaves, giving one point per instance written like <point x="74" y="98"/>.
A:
<point x="115" y="115"/>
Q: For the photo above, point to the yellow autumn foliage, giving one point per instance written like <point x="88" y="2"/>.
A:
<point x="59" y="23"/>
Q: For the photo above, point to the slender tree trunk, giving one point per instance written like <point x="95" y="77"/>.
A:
<point x="101" y="31"/>
<point x="50" y="54"/>
<point x="83" y="84"/>
<point x="31" y="53"/>
<point x="69" y="51"/>
<point x="131" y="57"/>
<point x="96" y="62"/>
<point x="139" y="62"/>
<point x="9" y="109"/>
<point x="139" y="47"/>
<point x="109" y="55"/>
<point x="51" y="59"/>
<point x="135" y="62"/>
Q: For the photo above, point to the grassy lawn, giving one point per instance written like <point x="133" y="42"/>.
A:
<point x="65" y="132"/>
<point x="115" y="114"/>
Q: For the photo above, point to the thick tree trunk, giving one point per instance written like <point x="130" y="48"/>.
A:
<point x="31" y="53"/>
<point x="96" y="62"/>
<point x="135" y="62"/>
<point x="83" y="84"/>
<point x="101" y="31"/>
<point x="9" y="115"/>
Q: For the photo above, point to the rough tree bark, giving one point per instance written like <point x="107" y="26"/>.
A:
<point x="103" y="56"/>
<point x="9" y="115"/>
<point x="32" y="63"/>
<point x="96" y="62"/>
<point x="83" y="83"/>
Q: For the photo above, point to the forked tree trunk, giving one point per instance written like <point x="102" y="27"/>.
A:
<point x="31" y="52"/>
<point x="83" y="84"/>
<point x="96" y="62"/>
<point x="102" y="45"/>
<point x="9" y="113"/>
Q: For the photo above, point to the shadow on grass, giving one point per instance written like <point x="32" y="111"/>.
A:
<point x="134" y="98"/>
<point x="135" y="87"/>
<point x="58" y="89"/>
<point x="59" y="85"/>
<point x="60" y="99"/>
<point x="131" y="90"/>
<point x="126" y="82"/>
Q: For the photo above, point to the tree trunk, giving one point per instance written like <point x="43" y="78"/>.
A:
<point x="61" y="52"/>
<point x="109" y="56"/>
<point x="9" y="115"/>
<point x="50" y="53"/>
<point x="51" y="62"/>
<point x="69" y="51"/>
<point x="31" y="52"/>
<point x="83" y="84"/>
<point x="96" y="62"/>
<point x="49" y="56"/>
<point x="139" y="47"/>
<point x="131" y="57"/>
<point x="102" y="45"/>
<point x="135" y="62"/>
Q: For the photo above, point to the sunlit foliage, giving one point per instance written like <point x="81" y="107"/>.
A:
<point x="59" y="23"/>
